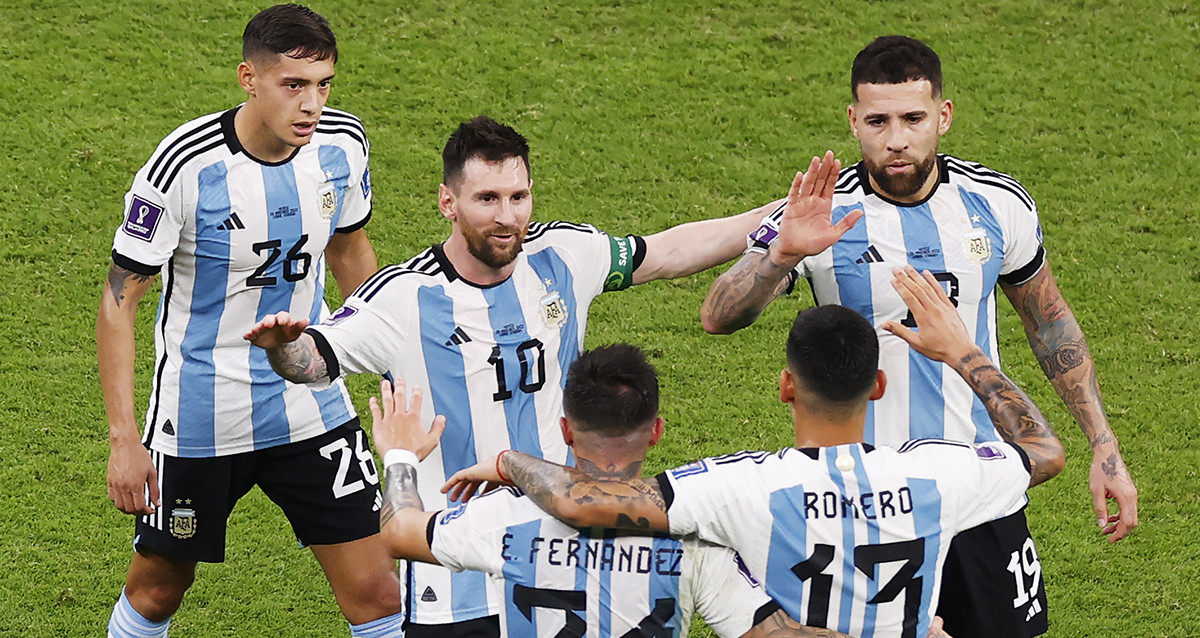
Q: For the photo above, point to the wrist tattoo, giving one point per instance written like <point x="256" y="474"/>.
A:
<point x="399" y="492"/>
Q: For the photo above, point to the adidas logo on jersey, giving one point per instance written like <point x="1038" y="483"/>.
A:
<point x="458" y="338"/>
<point x="233" y="223"/>
<point x="428" y="596"/>
<point x="869" y="256"/>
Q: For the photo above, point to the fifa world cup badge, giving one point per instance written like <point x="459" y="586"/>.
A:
<point x="554" y="310"/>
<point x="977" y="247"/>
<point x="183" y="522"/>
<point x="328" y="200"/>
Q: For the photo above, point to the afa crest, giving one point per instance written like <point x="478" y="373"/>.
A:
<point x="977" y="246"/>
<point x="328" y="195"/>
<point x="554" y="310"/>
<point x="183" y="522"/>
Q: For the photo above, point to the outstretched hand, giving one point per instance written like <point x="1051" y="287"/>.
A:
<point x="466" y="482"/>
<point x="807" y="227"/>
<point x="276" y="329"/>
<point x="942" y="335"/>
<point x="395" y="426"/>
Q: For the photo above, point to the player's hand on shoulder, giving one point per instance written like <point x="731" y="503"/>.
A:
<point x="807" y="227"/>
<point x="940" y="333"/>
<point x="276" y="329"/>
<point x="396" y="421"/>
<point x="130" y="471"/>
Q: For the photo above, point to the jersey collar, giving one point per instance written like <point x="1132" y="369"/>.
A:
<point x="235" y="146"/>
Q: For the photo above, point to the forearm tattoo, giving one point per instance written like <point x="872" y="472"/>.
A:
<point x="611" y="503"/>
<point x="1016" y="417"/>
<point x="298" y="361"/>
<point x="399" y="491"/>
<point x="1062" y="352"/>
<point x="118" y="279"/>
<point x="739" y="295"/>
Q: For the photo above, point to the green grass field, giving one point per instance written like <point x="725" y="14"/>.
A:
<point x="641" y="115"/>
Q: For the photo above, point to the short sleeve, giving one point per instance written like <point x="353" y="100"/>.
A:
<point x="721" y="590"/>
<point x="356" y="338"/>
<point x="1024" y="255"/>
<point x="714" y="498"/>
<point x="151" y="227"/>
<point x="356" y="208"/>
<point x="997" y="475"/>
<point x="466" y="537"/>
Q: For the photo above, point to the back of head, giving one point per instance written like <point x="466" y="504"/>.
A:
<point x="896" y="59"/>
<point x="485" y="138"/>
<point x="611" y="391"/>
<point x="834" y="353"/>
<point x="289" y="29"/>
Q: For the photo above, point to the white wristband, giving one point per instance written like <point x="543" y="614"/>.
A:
<point x="397" y="455"/>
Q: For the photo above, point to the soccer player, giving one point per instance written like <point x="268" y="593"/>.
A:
<point x="557" y="577"/>
<point x="840" y="533"/>
<point x="239" y="210"/>
<point x="973" y="228"/>
<point x="488" y="321"/>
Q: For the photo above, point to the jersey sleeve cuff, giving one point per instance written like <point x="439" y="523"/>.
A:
<point x="356" y="225"/>
<point x="766" y="611"/>
<point x="1024" y="458"/>
<point x="639" y="251"/>
<point x="1026" y="272"/>
<point x="429" y="529"/>
<point x="323" y="347"/>
<point x="668" y="492"/>
<point x="134" y="265"/>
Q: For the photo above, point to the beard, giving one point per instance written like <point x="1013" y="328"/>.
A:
<point x="483" y="250"/>
<point x="904" y="185"/>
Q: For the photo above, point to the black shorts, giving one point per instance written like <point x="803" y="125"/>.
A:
<point x="486" y="627"/>
<point x="992" y="582"/>
<point x="327" y="486"/>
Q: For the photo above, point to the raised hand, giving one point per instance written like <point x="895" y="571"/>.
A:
<point x="942" y="335"/>
<point x="807" y="227"/>
<point x="396" y="426"/>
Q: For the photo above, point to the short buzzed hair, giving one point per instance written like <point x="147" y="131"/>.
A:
<point x="834" y="352"/>
<point x="611" y="391"/>
<point x="486" y="139"/>
<point x="896" y="59"/>
<point x="289" y="29"/>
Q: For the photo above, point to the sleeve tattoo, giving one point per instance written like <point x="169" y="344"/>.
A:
<point x="119" y="278"/>
<point x="298" y="361"/>
<point x="1016" y="417"/>
<point x="583" y="501"/>
<point x="399" y="491"/>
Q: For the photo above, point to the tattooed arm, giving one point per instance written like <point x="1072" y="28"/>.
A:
<point x="943" y="337"/>
<point x="568" y="494"/>
<point x="403" y="519"/>
<point x="129" y="468"/>
<point x="1061" y="350"/>
<point x="739" y="295"/>
<point x="292" y="353"/>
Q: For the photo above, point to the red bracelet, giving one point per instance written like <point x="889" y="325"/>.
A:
<point x="498" y="472"/>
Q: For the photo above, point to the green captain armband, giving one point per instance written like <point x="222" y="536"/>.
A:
<point x="620" y="273"/>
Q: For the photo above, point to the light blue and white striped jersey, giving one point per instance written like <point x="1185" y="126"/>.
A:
<point x="976" y="228"/>
<point x="602" y="585"/>
<point x="492" y="359"/>
<point x="237" y="239"/>
<point x="851" y="537"/>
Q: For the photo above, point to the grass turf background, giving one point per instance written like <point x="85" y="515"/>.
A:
<point x="640" y="115"/>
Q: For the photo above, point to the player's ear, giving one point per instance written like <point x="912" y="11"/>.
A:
<point x="787" y="386"/>
<point x="945" y="117"/>
<point x="656" y="431"/>
<point x="853" y="122"/>
<point x="245" y="73"/>
<point x="567" y="433"/>
<point x="879" y="387"/>
<point x="446" y="202"/>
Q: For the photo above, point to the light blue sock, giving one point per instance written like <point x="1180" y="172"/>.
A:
<point x="386" y="627"/>
<point x="126" y="622"/>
